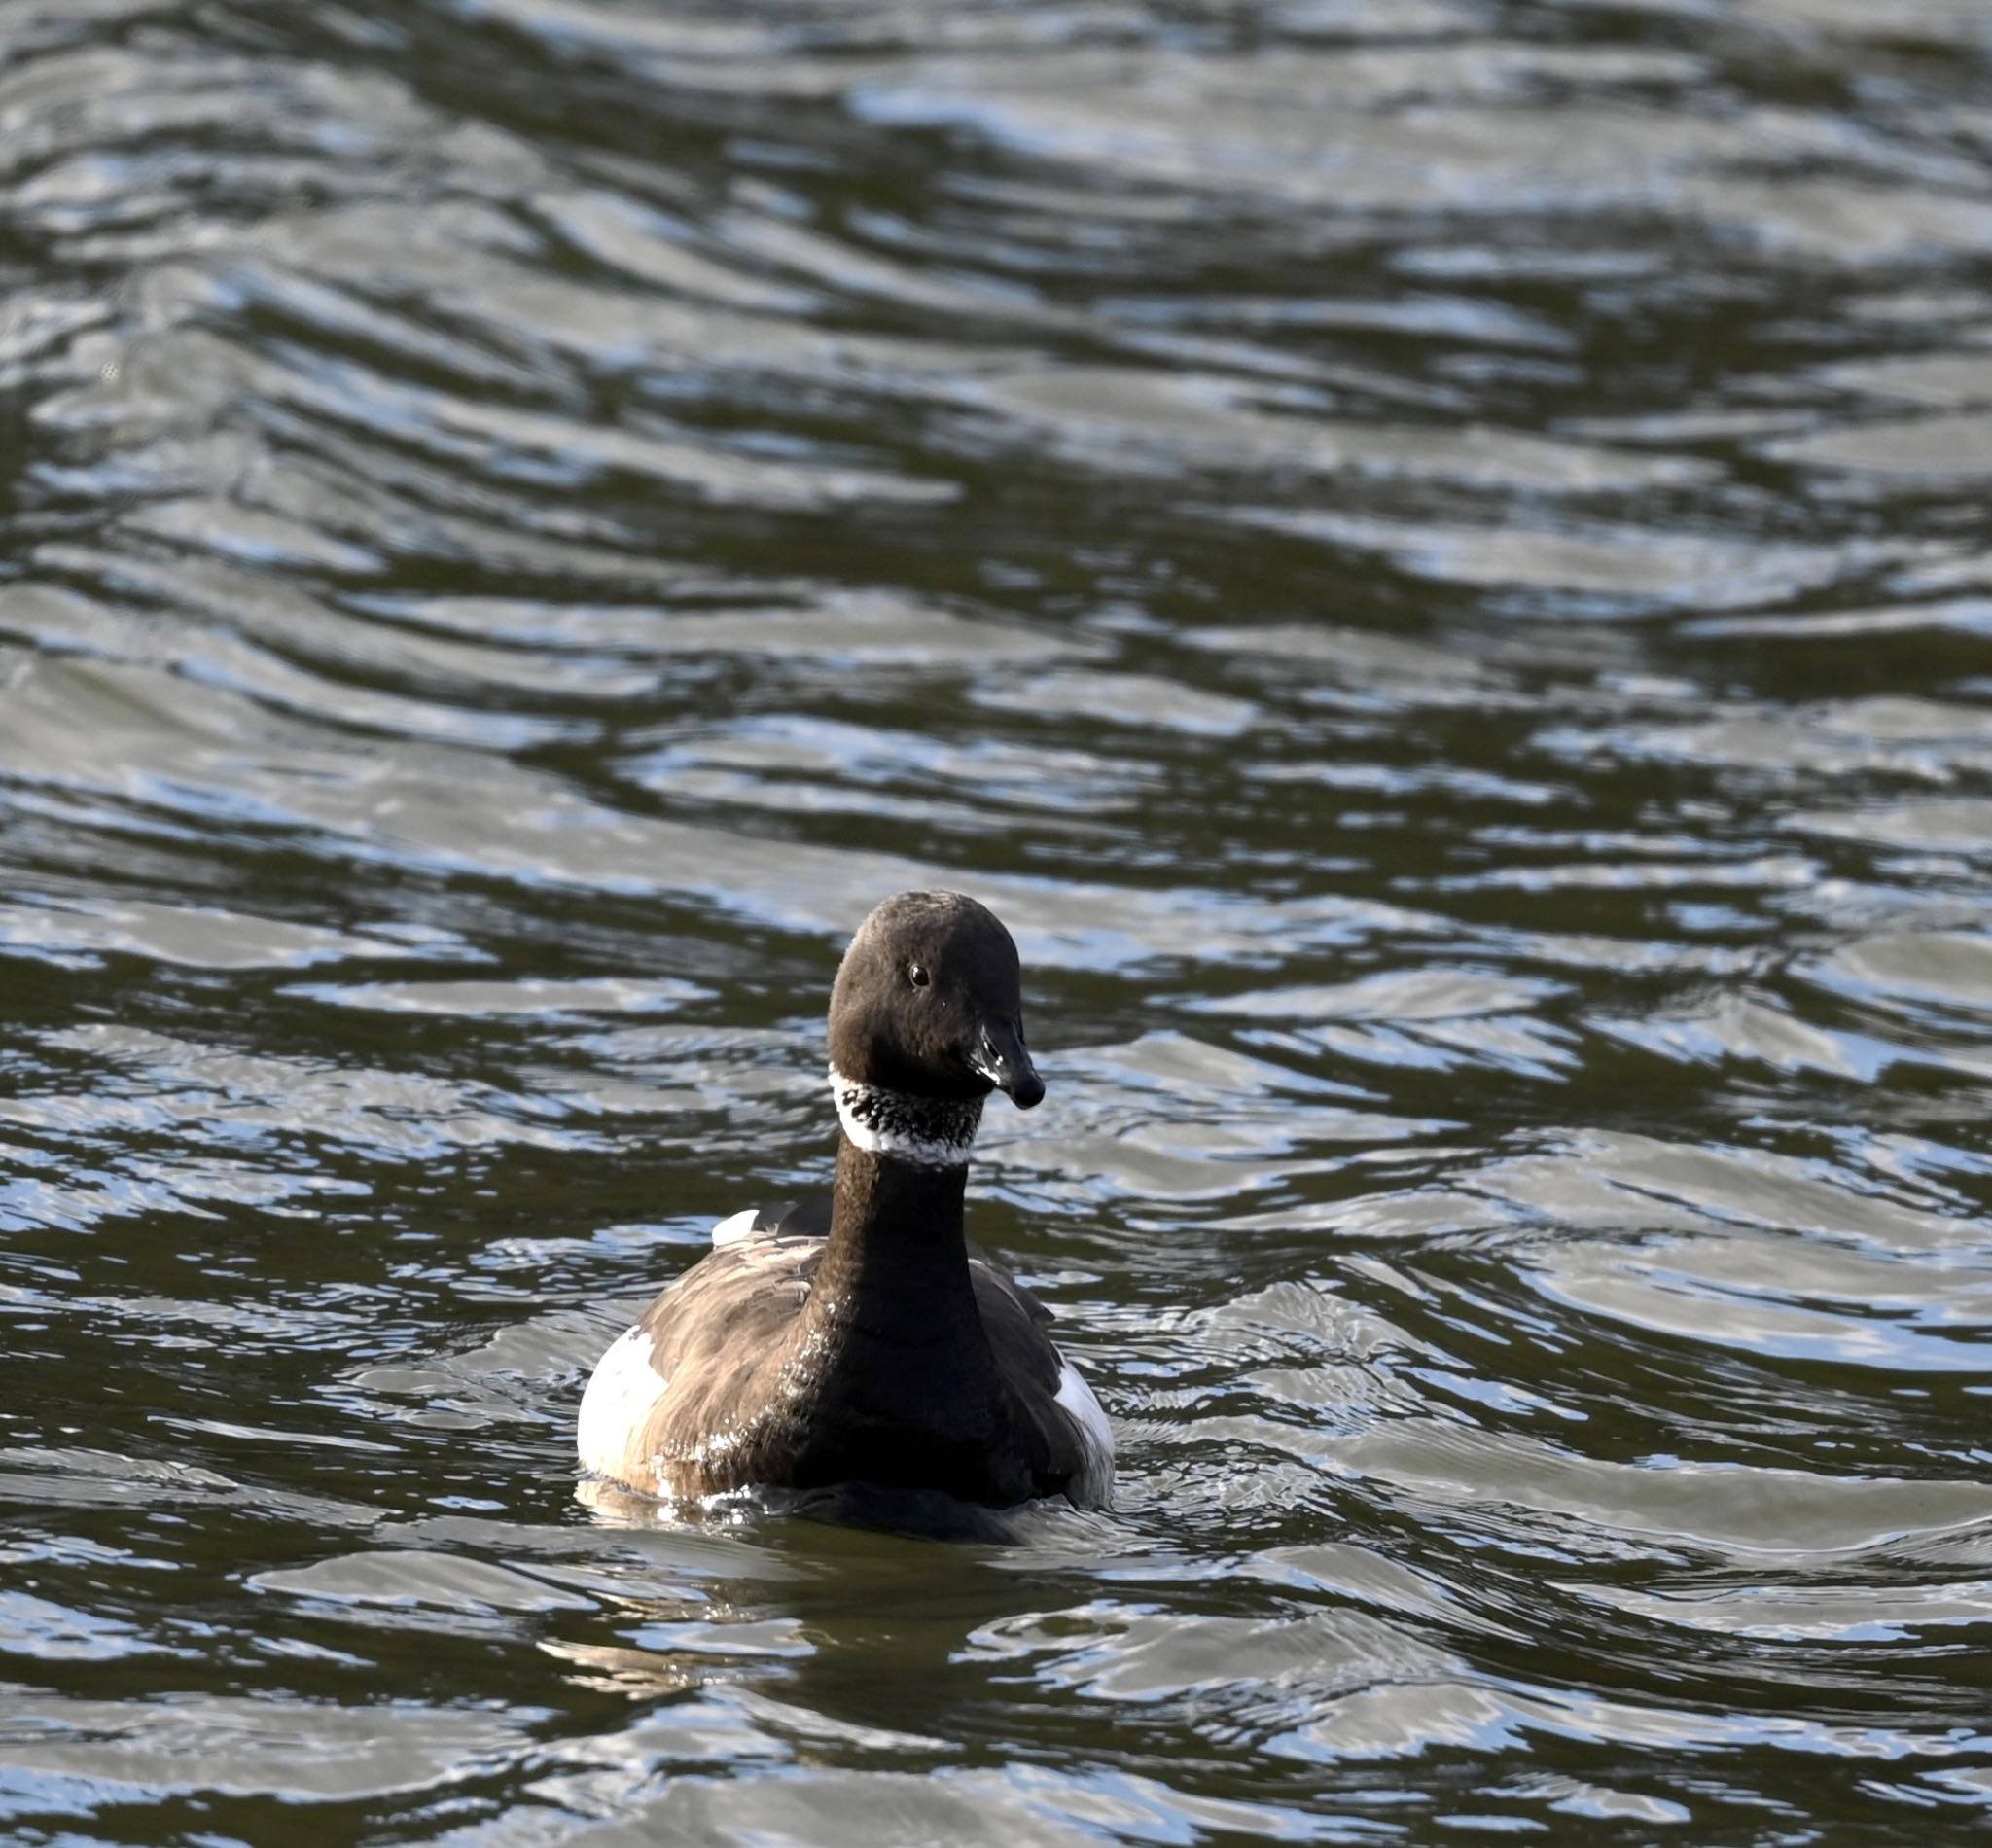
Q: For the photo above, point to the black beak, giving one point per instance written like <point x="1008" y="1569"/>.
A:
<point x="1001" y="1058"/>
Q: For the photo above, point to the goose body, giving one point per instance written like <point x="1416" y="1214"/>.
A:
<point x="861" y="1338"/>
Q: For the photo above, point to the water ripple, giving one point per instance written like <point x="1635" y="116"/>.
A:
<point x="1427" y="558"/>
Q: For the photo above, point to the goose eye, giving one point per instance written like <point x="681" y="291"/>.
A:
<point x="916" y="974"/>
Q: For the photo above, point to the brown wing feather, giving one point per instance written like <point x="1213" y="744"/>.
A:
<point x="1031" y="1368"/>
<point x="738" y="1301"/>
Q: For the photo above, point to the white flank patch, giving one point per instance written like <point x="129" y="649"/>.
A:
<point x="927" y="1151"/>
<point x="741" y="1225"/>
<point x="620" y="1391"/>
<point x="1093" y="1486"/>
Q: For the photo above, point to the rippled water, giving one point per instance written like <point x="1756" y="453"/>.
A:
<point x="1431" y="558"/>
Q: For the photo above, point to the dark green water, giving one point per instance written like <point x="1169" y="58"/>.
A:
<point x="1430" y="556"/>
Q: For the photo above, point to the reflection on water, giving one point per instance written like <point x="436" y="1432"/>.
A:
<point x="1429" y="558"/>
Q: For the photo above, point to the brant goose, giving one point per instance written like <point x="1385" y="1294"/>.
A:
<point x="863" y="1340"/>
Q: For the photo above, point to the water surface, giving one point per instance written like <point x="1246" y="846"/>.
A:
<point x="1431" y="561"/>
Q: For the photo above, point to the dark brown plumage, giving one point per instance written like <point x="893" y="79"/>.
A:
<point x="871" y="1343"/>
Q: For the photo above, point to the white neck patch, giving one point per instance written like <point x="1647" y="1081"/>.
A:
<point x="927" y="1131"/>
